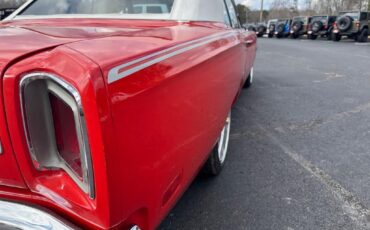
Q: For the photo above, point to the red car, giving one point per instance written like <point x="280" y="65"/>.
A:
<point x="110" y="108"/>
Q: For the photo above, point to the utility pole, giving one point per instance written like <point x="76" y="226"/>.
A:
<point x="261" y="13"/>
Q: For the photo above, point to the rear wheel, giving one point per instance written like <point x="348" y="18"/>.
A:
<point x="250" y="79"/>
<point x="363" y="36"/>
<point x="295" y="36"/>
<point x="313" y="37"/>
<point x="336" y="37"/>
<point x="328" y="36"/>
<point x="217" y="158"/>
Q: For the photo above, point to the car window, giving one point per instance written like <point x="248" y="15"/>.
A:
<point x="301" y="19"/>
<point x="138" y="10"/>
<point x="354" y="15"/>
<point x="227" y="17"/>
<point x="232" y="14"/>
<point x="322" y="19"/>
<point x="55" y="7"/>
<point x="363" y="16"/>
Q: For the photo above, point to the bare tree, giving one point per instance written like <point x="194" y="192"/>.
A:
<point x="284" y="9"/>
<point x="11" y="3"/>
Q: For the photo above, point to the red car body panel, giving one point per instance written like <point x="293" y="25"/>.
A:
<point x="150" y="132"/>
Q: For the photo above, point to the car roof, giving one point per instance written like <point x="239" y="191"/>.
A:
<point x="350" y="11"/>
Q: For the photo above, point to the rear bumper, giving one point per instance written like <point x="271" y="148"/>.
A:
<point x="346" y="33"/>
<point x="19" y="216"/>
<point x="321" y="32"/>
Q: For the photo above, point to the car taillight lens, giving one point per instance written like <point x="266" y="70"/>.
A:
<point x="357" y="24"/>
<point x="65" y="135"/>
<point x="55" y="128"/>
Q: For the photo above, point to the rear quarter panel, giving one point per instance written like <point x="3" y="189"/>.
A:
<point x="167" y="118"/>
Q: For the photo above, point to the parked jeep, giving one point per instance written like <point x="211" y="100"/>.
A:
<point x="353" y="24"/>
<point x="321" y="25"/>
<point x="251" y="27"/>
<point x="271" y="26"/>
<point x="283" y="28"/>
<point x="261" y="30"/>
<point x="6" y="12"/>
<point x="299" y="26"/>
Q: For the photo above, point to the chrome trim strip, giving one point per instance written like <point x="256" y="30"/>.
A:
<point x="19" y="216"/>
<point x="80" y="125"/>
<point x="114" y="74"/>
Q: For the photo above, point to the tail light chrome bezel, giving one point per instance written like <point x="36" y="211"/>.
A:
<point x="51" y="160"/>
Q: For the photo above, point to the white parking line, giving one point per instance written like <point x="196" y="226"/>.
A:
<point x="351" y="205"/>
<point x="362" y="44"/>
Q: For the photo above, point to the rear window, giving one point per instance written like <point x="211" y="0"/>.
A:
<point x="320" y="18"/>
<point x="354" y="15"/>
<point x="91" y="7"/>
<point x="363" y="16"/>
<point x="155" y="10"/>
<point x="301" y="19"/>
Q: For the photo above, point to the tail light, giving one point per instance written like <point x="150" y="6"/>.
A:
<point x="357" y="23"/>
<point x="55" y="128"/>
<point x="335" y="25"/>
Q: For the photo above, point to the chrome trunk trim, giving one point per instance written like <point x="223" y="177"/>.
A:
<point x="19" y="216"/>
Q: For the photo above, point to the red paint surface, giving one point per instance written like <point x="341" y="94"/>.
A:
<point x="149" y="133"/>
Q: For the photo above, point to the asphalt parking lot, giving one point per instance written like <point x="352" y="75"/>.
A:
<point x="299" y="154"/>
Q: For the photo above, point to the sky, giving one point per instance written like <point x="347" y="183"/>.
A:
<point x="254" y="4"/>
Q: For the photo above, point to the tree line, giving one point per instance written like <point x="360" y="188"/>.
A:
<point x="11" y="4"/>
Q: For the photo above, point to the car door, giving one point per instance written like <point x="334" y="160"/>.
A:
<point x="247" y="38"/>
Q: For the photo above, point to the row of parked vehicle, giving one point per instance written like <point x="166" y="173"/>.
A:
<point x="352" y="24"/>
<point x="6" y="12"/>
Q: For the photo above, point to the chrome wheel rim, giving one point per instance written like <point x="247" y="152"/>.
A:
<point x="251" y="75"/>
<point x="224" y="140"/>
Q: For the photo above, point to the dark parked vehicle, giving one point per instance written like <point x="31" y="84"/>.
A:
<point x="5" y="13"/>
<point x="261" y="30"/>
<point x="271" y="26"/>
<point x="283" y="28"/>
<point x="251" y="27"/>
<point x="353" y="24"/>
<point x="299" y="26"/>
<point x="321" y="25"/>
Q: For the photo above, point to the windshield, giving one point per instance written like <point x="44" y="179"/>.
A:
<point x="91" y="7"/>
